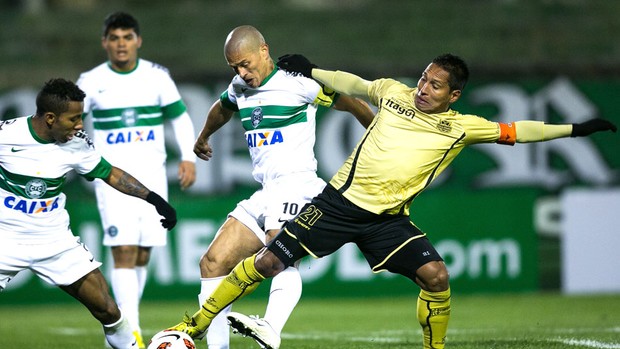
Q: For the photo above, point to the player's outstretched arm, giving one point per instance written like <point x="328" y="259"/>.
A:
<point x="342" y="82"/>
<point x="127" y="184"/>
<point x="536" y="131"/>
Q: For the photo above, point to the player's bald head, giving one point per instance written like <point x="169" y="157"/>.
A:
<point x="243" y="39"/>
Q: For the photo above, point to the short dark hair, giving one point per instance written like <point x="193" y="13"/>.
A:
<point x="121" y="20"/>
<point x="456" y="67"/>
<point x="56" y="94"/>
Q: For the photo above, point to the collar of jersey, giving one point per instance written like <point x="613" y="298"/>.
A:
<point x="275" y="69"/>
<point x="124" y="72"/>
<point x="34" y="134"/>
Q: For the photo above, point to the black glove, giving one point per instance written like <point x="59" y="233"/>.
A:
<point x="589" y="127"/>
<point x="296" y="64"/>
<point x="164" y="209"/>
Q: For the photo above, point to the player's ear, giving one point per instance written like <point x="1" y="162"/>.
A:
<point x="264" y="51"/>
<point x="454" y="96"/>
<point x="50" y="118"/>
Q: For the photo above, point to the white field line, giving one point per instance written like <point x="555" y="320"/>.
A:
<point x="589" y="343"/>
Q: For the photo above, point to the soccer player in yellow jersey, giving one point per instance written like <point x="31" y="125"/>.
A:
<point x="412" y="139"/>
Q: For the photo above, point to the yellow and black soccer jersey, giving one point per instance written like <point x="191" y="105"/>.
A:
<point x="405" y="149"/>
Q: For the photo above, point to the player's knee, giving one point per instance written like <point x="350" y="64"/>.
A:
<point x="440" y="281"/>
<point x="433" y="277"/>
<point x="268" y="264"/>
<point x="214" y="266"/>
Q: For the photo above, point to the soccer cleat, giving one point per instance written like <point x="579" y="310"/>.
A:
<point x="255" y="327"/>
<point x="139" y="339"/>
<point x="189" y="326"/>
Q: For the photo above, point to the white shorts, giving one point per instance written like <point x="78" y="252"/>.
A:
<point x="277" y="202"/>
<point x="59" y="263"/>
<point x="127" y="220"/>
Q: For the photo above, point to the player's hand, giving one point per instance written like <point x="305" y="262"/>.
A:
<point x="164" y="209"/>
<point x="296" y="63"/>
<point x="591" y="126"/>
<point x="187" y="174"/>
<point x="202" y="149"/>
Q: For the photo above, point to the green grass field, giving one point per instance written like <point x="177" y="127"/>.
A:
<point x="521" y="321"/>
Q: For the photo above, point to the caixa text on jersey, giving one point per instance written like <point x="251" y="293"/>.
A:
<point x="130" y="136"/>
<point x="30" y="206"/>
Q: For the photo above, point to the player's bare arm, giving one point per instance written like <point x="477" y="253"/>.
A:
<point x="126" y="183"/>
<point x="359" y="108"/>
<point x="218" y="116"/>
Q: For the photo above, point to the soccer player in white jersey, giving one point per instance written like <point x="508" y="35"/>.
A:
<point x="36" y="154"/>
<point x="277" y="111"/>
<point x="130" y="99"/>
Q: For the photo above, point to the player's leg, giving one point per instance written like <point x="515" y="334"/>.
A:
<point x="433" y="303"/>
<point x="92" y="291"/>
<point x="285" y="292"/>
<point x="283" y="297"/>
<point x="412" y="255"/>
<point x="233" y="242"/>
<point x="242" y="280"/>
<point x="289" y="197"/>
<point x="126" y="286"/>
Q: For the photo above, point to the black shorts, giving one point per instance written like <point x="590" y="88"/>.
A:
<point x="388" y="242"/>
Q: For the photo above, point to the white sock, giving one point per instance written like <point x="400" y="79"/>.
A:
<point x="125" y="287"/>
<point x="119" y="334"/>
<point x="141" y="273"/>
<point x="283" y="297"/>
<point x="218" y="335"/>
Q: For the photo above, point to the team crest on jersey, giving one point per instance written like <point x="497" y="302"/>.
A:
<point x="36" y="188"/>
<point x="257" y="116"/>
<point x="444" y="126"/>
<point x="112" y="231"/>
<point x="130" y="116"/>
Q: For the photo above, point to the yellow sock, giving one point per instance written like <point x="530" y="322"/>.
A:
<point x="241" y="281"/>
<point x="433" y="314"/>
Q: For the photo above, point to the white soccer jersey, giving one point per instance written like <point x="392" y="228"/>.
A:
<point x="32" y="176"/>
<point x="128" y="113"/>
<point x="279" y="118"/>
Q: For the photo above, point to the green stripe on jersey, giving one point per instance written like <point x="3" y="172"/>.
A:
<point x="25" y="186"/>
<point x="173" y="110"/>
<point x="227" y="103"/>
<point x="127" y="117"/>
<point x="102" y="170"/>
<point x="273" y="116"/>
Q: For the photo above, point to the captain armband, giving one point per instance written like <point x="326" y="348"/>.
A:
<point x="507" y="133"/>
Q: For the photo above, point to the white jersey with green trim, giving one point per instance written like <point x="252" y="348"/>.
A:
<point x="128" y="113"/>
<point x="279" y="118"/>
<point x="32" y="175"/>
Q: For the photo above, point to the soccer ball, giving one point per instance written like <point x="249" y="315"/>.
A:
<point x="171" y="340"/>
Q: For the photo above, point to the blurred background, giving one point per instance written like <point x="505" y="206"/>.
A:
<point x="506" y="219"/>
